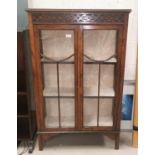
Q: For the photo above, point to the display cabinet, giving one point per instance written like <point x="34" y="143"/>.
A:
<point x="78" y="61"/>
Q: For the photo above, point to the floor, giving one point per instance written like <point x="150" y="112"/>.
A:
<point x="84" y="144"/>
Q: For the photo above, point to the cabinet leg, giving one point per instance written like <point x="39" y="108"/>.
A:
<point x="41" y="143"/>
<point x="117" y="136"/>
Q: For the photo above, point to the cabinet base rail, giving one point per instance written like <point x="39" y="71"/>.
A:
<point x="45" y="136"/>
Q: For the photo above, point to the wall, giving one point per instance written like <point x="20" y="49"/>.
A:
<point x="103" y="4"/>
<point x="22" y="22"/>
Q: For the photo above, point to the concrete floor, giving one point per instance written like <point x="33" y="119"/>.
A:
<point x="86" y="144"/>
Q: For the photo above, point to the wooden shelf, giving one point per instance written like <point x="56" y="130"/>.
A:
<point x="103" y="121"/>
<point x="49" y="92"/>
<point x="21" y="93"/>
<point x="51" y="62"/>
<point x="23" y="116"/>
<point x="103" y="92"/>
<point x="111" y="61"/>
<point x="95" y="97"/>
<point x="66" y="122"/>
<point x="89" y="121"/>
<point x="60" y="97"/>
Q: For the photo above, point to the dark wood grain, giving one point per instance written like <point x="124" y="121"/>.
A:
<point x="34" y="58"/>
<point x="78" y="16"/>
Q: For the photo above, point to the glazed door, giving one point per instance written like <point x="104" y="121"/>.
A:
<point x="100" y="64"/>
<point x="78" y="77"/>
<point x="57" y="51"/>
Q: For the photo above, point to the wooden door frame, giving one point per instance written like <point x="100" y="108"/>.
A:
<point x="119" y="52"/>
<point x="38" y="75"/>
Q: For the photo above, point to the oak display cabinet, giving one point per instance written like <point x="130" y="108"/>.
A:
<point x="78" y="59"/>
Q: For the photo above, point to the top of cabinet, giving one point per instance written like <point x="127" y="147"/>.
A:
<point x="79" y="10"/>
<point x="78" y="16"/>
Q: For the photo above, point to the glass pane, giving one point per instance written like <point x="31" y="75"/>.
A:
<point x="57" y="44"/>
<point x="100" y="44"/>
<point x="105" y="112"/>
<point x="66" y="75"/>
<point x="50" y="80"/>
<point x="90" y="112"/>
<point x="57" y="58"/>
<point x="52" y="113"/>
<point x="107" y="80"/>
<point x="67" y="112"/>
<point x="66" y="80"/>
<point x="91" y="80"/>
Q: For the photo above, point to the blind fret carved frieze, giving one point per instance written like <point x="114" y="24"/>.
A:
<point x="77" y="18"/>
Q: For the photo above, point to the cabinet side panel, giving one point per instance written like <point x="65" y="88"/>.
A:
<point x="35" y="72"/>
<point x="121" y="67"/>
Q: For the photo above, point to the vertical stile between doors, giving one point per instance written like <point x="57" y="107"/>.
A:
<point x="80" y="77"/>
<point x="76" y="78"/>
